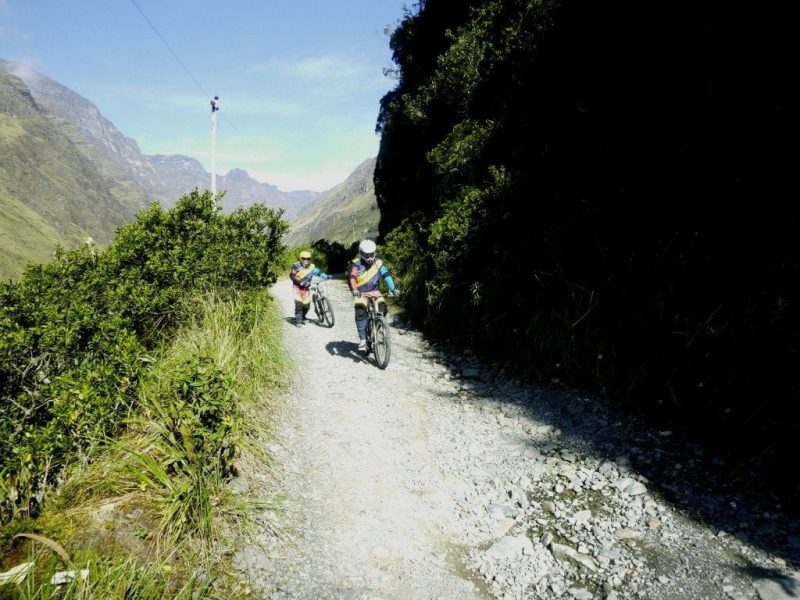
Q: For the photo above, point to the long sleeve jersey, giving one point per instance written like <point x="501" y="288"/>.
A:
<point x="301" y="276"/>
<point x="366" y="278"/>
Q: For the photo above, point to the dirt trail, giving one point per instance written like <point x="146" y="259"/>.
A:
<point x="439" y="478"/>
<point x="364" y="520"/>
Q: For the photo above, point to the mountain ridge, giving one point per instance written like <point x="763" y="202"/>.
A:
<point x="89" y="163"/>
<point x="344" y="213"/>
<point x="50" y="191"/>
<point x="156" y="175"/>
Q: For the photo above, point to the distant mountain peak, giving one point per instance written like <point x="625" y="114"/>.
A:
<point x="345" y="212"/>
<point x="162" y="177"/>
<point x="69" y="172"/>
<point x="238" y="174"/>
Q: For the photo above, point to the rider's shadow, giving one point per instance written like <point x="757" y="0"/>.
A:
<point x="309" y="321"/>
<point x="345" y="350"/>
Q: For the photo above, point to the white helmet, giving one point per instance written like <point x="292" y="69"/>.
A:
<point x="367" y="250"/>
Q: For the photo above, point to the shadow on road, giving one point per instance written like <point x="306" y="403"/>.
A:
<point x="399" y="322"/>
<point x="677" y="467"/>
<point x="345" y="350"/>
<point x="309" y="321"/>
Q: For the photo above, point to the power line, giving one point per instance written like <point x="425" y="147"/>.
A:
<point x="177" y="58"/>
<point x="161" y="37"/>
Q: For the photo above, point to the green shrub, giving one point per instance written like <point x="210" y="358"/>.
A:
<point x="332" y="255"/>
<point x="198" y="414"/>
<point x="76" y="333"/>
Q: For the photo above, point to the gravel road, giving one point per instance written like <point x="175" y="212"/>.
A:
<point x="441" y="478"/>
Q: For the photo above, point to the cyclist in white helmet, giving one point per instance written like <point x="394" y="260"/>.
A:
<point x="365" y="275"/>
<point x="303" y="272"/>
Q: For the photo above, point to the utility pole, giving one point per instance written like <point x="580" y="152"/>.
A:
<point x="214" y="109"/>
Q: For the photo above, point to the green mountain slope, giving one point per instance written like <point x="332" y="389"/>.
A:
<point x="67" y="172"/>
<point x="142" y="178"/>
<point x="344" y="213"/>
<point x="50" y="192"/>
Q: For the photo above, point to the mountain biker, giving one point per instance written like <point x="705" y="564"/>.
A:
<point x="302" y="273"/>
<point x="365" y="275"/>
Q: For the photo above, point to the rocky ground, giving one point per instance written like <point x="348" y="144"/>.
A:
<point x="441" y="478"/>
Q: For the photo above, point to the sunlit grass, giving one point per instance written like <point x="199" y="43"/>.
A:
<point x="94" y="579"/>
<point x="152" y="515"/>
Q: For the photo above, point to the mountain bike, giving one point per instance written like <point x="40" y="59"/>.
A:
<point x="379" y="342"/>
<point x="322" y="305"/>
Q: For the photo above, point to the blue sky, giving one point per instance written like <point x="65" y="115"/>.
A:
<point x="299" y="82"/>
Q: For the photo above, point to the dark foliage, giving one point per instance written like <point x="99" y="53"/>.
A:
<point x="601" y="188"/>
<point x="333" y="255"/>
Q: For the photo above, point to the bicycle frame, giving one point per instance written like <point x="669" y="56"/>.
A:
<point x="322" y="305"/>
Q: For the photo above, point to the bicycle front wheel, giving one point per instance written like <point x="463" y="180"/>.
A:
<point x="315" y="304"/>
<point x="381" y="342"/>
<point x="327" y="312"/>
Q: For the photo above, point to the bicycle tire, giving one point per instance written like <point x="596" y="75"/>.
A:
<point x="382" y="342"/>
<point x="315" y="303"/>
<point x="328" y="317"/>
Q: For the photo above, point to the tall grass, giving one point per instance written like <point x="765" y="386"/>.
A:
<point x="153" y="510"/>
<point x="101" y="579"/>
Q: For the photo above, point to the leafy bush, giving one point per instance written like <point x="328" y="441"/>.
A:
<point x="196" y="421"/>
<point x="334" y="256"/>
<point x="75" y="334"/>
<point x="197" y="416"/>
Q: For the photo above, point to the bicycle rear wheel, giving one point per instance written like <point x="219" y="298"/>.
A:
<point x="382" y="342"/>
<point x="327" y="312"/>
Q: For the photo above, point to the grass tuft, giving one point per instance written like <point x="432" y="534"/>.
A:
<point x="151" y="515"/>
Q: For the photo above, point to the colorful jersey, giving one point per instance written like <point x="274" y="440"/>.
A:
<point x="365" y="278"/>
<point x="301" y="276"/>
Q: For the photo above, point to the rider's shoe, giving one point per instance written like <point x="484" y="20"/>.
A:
<point x="362" y="346"/>
<point x="297" y="322"/>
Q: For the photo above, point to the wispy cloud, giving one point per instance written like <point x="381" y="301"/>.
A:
<point x="26" y="69"/>
<point x="339" y="75"/>
<point x="248" y="104"/>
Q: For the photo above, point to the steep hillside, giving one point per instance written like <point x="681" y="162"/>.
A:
<point x="67" y="172"/>
<point x="344" y="213"/>
<point x="50" y="192"/>
<point x="142" y="177"/>
<point x="600" y="188"/>
<point x="115" y="155"/>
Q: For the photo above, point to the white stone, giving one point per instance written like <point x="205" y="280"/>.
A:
<point x="636" y="488"/>
<point x="779" y="588"/>
<point x="510" y="547"/>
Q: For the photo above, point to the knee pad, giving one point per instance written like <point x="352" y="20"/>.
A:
<point x="361" y="312"/>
